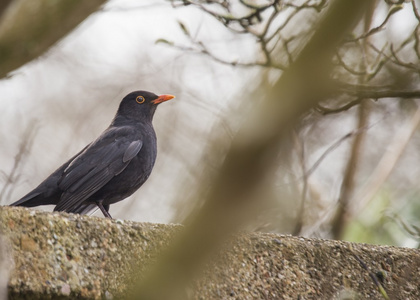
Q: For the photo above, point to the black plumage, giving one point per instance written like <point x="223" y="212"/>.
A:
<point x="110" y="168"/>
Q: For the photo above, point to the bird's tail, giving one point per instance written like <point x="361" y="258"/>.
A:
<point x="32" y="199"/>
<point x="36" y="198"/>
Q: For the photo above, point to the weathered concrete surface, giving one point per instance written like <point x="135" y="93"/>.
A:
<point x="60" y="255"/>
<point x="64" y="256"/>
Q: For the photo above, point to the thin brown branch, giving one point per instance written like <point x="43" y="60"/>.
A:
<point x="287" y="50"/>
<point x="331" y="148"/>
<point x="318" y="7"/>
<point x="416" y="12"/>
<point x="392" y="11"/>
<point x="270" y="20"/>
<point x="341" y="217"/>
<point x="301" y="210"/>
<point x="204" y="51"/>
<point x="12" y="177"/>
<point x="342" y="64"/>
<point x="401" y="63"/>
<point x="387" y="163"/>
<point x="328" y="111"/>
<point x="282" y="26"/>
<point x="393" y="57"/>
<point x="416" y="41"/>
<point x="374" y="93"/>
<point x="377" y="93"/>
<point x="200" y="48"/>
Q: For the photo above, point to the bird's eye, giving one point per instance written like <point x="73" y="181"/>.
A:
<point x="140" y="99"/>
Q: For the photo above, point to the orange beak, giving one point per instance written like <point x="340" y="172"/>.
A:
<point x="162" y="98"/>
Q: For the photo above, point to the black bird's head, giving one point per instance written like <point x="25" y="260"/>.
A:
<point x="139" y="106"/>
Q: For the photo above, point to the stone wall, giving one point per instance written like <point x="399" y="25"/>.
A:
<point x="65" y="256"/>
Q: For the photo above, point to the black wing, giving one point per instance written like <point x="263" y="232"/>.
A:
<point x="105" y="158"/>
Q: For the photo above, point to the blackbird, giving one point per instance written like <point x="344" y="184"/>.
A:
<point x="110" y="168"/>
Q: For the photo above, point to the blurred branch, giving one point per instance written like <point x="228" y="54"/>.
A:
<point x="365" y="92"/>
<point x="13" y="176"/>
<point x="307" y="173"/>
<point x="373" y="92"/>
<point x="341" y="217"/>
<point x="327" y="111"/>
<point x="200" y="48"/>
<point x="300" y="147"/>
<point x="29" y="28"/>
<point x="394" y="8"/>
<point x="416" y="12"/>
<point x="236" y="190"/>
<point x="411" y="229"/>
<point x="347" y="187"/>
<point x="262" y="22"/>
<point x="3" y="6"/>
<point x="387" y="163"/>
<point x="334" y="146"/>
<point x="265" y="22"/>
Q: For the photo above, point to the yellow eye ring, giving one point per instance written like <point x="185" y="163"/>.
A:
<point x="140" y="99"/>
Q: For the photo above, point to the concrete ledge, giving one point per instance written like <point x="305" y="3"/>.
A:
<point x="65" y="256"/>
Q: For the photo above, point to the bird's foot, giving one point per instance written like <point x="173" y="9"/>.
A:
<point x="104" y="210"/>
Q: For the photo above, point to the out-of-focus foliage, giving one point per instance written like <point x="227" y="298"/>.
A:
<point x="379" y="60"/>
<point x="29" y="28"/>
<point x="238" y="189"/>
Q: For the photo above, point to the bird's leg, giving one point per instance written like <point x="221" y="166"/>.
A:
<point x="104" y="209"/>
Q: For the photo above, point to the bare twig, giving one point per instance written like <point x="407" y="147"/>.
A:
<point x="347" y="188"/>
<point x="416" y="12"/>
<point x="341" y="217"/>
<point x="247" y="25"/>
<point x="13" y="176"/>
<point x="301" y="210"/>
<point x="328" y="111"/>
<point x="259" y="20"/>
<point x="398" y="61"/>
<point x="387" y="163"/>
<point x="393" y="10"/>
<point x="378" y="93"/>
<point x="346" y="67"/>
<point x="332" y="148"/>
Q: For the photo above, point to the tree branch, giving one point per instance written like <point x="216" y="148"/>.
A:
<point x="28" y="30"/>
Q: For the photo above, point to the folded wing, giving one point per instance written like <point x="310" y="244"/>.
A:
<point x="94" y="167"/>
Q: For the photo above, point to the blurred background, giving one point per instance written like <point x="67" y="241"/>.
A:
<point x="352" y="166"/>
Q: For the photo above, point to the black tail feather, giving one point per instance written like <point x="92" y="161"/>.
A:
<point x="34" y="198"/>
